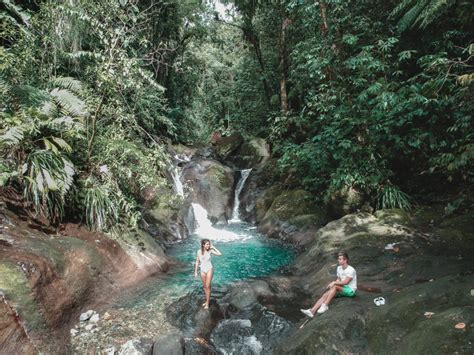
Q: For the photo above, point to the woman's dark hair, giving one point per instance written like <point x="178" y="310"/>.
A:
<point x="343" y="254"/>
<point x="203" y="242"/>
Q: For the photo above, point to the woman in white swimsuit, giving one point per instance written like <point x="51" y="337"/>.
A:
<point x="203" y="257"/>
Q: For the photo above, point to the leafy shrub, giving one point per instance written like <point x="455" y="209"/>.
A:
<point x="391" y="196"/>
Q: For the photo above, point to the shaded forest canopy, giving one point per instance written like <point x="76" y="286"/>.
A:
<point x="371" y="95"/>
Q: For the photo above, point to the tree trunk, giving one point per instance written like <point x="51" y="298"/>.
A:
<point x="252" y="38"/>
<point x="283" y="65"/>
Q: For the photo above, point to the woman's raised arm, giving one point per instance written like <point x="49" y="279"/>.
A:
<point x="215" y="251"/>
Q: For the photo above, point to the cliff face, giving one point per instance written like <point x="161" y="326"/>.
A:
<point x="47" y="279"/>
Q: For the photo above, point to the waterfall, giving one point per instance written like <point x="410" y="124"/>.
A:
<point x="205" y="229"/>
<point x="177" y="185"/>
<point x="244" y="174"/>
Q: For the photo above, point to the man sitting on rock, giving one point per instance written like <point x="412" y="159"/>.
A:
<point x="344" y="286"/>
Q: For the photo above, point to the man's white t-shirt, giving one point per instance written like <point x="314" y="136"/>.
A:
<point x="349" y="271"/>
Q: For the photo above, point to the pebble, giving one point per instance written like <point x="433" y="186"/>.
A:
<point x="74" y="332"/>
<point x="89" y="327"/>
<point x="106" y="316"/>
<point x="86" y="315"/>
<point x="94" y="318"/>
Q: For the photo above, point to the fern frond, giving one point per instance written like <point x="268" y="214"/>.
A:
<point x="17" y="11"/>
<point x="12" y="136"/>
<point x="28" y="96"/>
<point x="68" y="83"/>
<point x="68" y="103"/>
<point x="435" y="9"/>
<point x="402" y="7"/>
<point x="411" y="16"/>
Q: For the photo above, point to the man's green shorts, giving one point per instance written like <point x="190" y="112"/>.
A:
<point x="346" y="292"/>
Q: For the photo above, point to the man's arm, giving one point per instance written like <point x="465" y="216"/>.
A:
<point x="340" y="283"/>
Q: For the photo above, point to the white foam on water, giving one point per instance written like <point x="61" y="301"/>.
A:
<point x="205" y="229"/>
<point x="178" y="186"/>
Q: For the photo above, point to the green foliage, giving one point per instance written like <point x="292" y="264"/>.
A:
<point x="103" y="206"/>
<point x="87" y="147"/>
<point x="392" y="197"/>
<point x="48" y="177"/>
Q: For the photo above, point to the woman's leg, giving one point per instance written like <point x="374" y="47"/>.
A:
<point x="207" y="287"/>
<point x="203" y="279"/>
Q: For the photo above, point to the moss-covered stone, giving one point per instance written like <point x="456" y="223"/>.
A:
<point x="401" y="325"/>
<point x="344" y="201"/>
<point x="293" y="203"/>
<point x="393" y="216"/>
<point x="227" y="145"/>
<point x="265" y="200"/>
<point x="252" y="153"/>
<point x="290" y="211"/>
<point x="16" y="288"/>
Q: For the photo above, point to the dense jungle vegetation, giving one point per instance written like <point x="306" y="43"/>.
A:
<point x="371" y="95"/>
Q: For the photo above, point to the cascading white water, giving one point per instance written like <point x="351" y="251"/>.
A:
<point x="244" y="174"/>
<point x="177" y="185"/>
<point x="205" y="229"/>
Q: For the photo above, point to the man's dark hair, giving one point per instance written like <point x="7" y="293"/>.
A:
<point x="343" y="254"/>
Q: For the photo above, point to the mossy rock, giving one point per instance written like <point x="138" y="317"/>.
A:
<point x="218" y="175"/>
<point x="265" y="200"/>
<point x="306" y="220"/>
<point x="251" y="154"/>
<point x="228" y="145"/>
<point x="293" y="203"/>
<point x="401" y="326"/>
<point x="15" y="286"/>
<point x="393" y="216"/>
<point x="344" y="201"/>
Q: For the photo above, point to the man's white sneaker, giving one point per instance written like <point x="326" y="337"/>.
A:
<point x="307" y="312"/>
<point x="323" y="308"/>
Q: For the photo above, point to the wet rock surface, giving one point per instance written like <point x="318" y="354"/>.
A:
<point x="211" y="185"/>
<point x="48" y="277"/>
<point x="414" y="271"/>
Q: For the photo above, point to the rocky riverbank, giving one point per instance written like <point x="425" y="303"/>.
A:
<point x="419" y="262"/>
<point x="47" y="277"/>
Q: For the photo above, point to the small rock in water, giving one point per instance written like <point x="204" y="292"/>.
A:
<point x="106" y="316"/>
<point x="137" y="347"/>
<point x="94" y="318"/>
<point x="86" y="315"/>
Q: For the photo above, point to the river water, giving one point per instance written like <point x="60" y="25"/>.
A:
<point x="142" y="312"/>
<point x="245" y="254"/>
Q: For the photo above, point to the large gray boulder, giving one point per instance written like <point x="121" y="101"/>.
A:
<point x="424" y="278"/>
<point x="227" y="146"/>
<point x="252" y="153"/>
<point x="170" y="344"/>
<point x="290" y="212"/>
<point x="210" y="184"/>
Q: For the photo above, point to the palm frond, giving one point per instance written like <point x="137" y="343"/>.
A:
<point x="411" y="16"/>
<point x="402" y="7"/>
<point x="49" y="177"/>
<point x="390" y="196"/>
